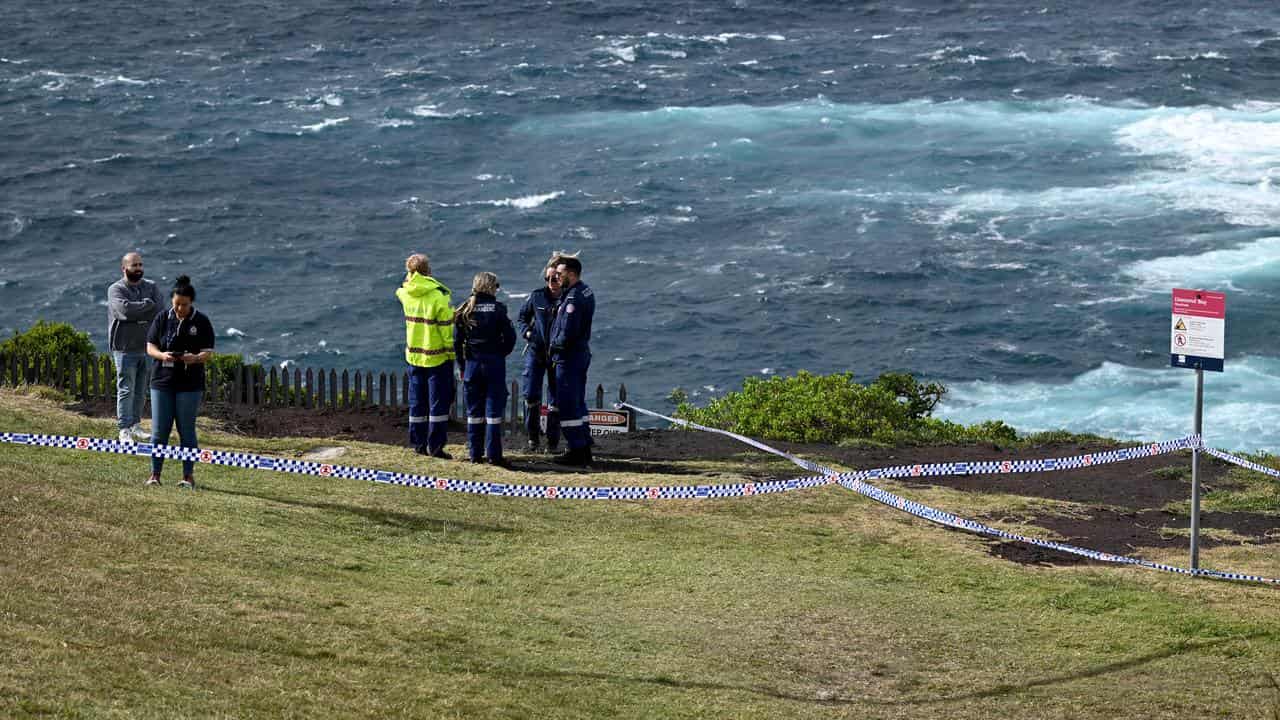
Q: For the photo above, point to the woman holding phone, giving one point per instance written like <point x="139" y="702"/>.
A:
<point x="181" y="342"/>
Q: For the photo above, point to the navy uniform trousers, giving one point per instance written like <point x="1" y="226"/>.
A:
<point x="536" y="368"/>
<point x="431" y="392"/>
<point x="484" y="382"/>
<point x="571" y="392"/>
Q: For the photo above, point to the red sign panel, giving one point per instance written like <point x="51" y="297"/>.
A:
<point x="1200" y="303"/>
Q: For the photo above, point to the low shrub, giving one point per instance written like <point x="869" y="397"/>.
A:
<point x="50" y="340"/>
<point x="224" y="368"/>
<point x="894" y="409"/>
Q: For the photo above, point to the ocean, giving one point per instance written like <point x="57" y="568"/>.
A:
<point x="998" y="196"/>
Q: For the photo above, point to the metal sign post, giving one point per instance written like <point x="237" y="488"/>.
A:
<point x="1195" y="474"/>
<point x="1197" y="341"/>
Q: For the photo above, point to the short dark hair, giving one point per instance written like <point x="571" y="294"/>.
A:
<point x="182" y="286"/>
<point x="571" y="264"/>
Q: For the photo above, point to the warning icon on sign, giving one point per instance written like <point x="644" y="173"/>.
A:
<point x="1180" y="325"/>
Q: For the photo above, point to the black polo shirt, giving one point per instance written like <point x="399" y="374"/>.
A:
<point x="171" y="334"/>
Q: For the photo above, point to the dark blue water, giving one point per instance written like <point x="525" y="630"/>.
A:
<point x="998" y="196"/>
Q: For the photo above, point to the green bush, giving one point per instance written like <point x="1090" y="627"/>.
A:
<point x="46" y="340"/>
<point x="223" y="368"/>
<point x="895" y="409"/>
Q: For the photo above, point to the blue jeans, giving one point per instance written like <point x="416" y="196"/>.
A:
<point x="168" y="406"/>
<point x="431" y="392"/>
<point x="133" y="375"/>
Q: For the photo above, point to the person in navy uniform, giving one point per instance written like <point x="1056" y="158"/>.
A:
<point x="535" y="327"/>
<point x="180" y="340"/>
<point x="483" y="337"/>
<point x="571" y="356"/>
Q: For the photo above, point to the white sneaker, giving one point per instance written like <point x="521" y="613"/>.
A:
<point x="139" y="433"/>
<point x="125" y="436"/>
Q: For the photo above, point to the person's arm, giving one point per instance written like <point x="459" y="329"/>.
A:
<point x="158" y="354"/>
<point x="122" y="308"/>
<point x="459" y="342"/>
<point x="526" y="319"/>
<point x="154" y="333"/>
<point x="508" y="332"/>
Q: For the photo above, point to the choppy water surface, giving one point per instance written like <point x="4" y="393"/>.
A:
<point x="998" y="197"/>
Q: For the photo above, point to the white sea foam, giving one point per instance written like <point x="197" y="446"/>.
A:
<point x="326" y="123"/>
<point x="719" y="38"/>
<point x="61" y="79"/>
<point x="333" y="100"/>
<point x="940" y="53"/>
<point x="18" y="224"/>
<point x="234" y="332"/>
<point x="526" y="202"/>
<point x="723" y="38"/>
<point x="433" y="111"/>
<point x="1135" y="403"/>
<point x="624" y="53"/>
<point x="1211" y="55"/>
<point x="121" y="79"/>
<point x="112" y="158"/>
<point x="1215" y="268"/>
<point x="1235" y="148"/>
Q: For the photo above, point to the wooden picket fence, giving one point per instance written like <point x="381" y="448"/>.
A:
<point x="314" y="389"/>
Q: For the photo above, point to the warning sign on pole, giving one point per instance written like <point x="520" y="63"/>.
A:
<point x="1198" y="330"/>
<point x="609" y="421"/>
<point x="602" y="421"/>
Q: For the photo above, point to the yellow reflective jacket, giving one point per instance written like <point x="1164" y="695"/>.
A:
<point x="428" y="321"/>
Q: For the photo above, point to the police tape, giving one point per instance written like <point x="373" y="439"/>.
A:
<point x="856" y="481"/>
<point x="985" y="467"/>
<point x="1234" y="459"/>
<point x="853" y="480"/>
<point x="473" y="487"/>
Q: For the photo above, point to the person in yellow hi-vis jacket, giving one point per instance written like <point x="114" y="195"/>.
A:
<point x="428" y="348"/>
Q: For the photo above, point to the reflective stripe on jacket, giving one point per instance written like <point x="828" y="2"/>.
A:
<point x="428" y="321"/>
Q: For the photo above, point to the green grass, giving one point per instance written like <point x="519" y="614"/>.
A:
<point x="281" y="596"/>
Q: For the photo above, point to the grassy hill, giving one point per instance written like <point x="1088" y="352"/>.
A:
<point x="273" y="595"/>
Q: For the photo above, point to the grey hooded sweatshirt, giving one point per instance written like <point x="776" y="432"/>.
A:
<point x="130" y="309"/>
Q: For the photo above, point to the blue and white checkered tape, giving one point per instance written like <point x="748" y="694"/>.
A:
<point x="302" y="467"/>
<point x="855" y="481"/>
